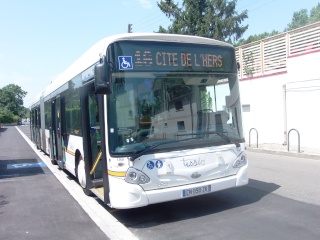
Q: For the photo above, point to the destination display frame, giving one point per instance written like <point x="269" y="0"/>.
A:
<point x="153" y="56"/>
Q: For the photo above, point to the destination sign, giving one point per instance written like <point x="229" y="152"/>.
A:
<point x="158" y="56"/>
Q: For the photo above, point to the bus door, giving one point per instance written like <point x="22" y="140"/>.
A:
<point x="58" y="131"/>
<point x="96" y="175"/>
<point x="38" y="127"/>
<point x="54" y="153"/>
<point x="94" y="136"/>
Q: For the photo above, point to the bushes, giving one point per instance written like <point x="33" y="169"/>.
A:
<point x="7" y="116"/>
<point x="11" y="103"/>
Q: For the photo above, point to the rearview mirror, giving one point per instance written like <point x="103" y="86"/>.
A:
<point x="102" y="77"/>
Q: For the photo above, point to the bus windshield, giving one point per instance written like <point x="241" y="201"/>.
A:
<point x="167" y="108"/>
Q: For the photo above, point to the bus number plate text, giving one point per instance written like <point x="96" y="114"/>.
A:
<point x="196" y="191"/>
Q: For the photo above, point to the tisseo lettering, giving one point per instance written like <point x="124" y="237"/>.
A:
<point x="193" y="163"/>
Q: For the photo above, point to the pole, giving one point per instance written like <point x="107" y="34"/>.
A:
<point x="129" y="28"/>
<point x="284" y="115"/>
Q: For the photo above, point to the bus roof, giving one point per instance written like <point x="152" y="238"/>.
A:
<point x="92" y="56"/>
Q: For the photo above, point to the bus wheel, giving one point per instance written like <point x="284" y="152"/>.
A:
<point x="81" y="175"/>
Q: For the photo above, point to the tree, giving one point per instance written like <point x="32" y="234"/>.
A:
<point x="7" y="116"/>
<point x="315" y="14"/>
<point x="299" y="19"/>
<point x="11" y="103"/>
<point x="256" y="37"/>
<point x="216" y="19"/>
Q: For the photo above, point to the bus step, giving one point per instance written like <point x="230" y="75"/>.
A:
<point x="99" y="192"/>
<point x="96" y="183"/>
<point x="60" y="164"/>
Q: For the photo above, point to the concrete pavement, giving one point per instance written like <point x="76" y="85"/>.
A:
<point x="40" y="201"/>
<point x="33" y="204"/>
<point x="279" y="149"/>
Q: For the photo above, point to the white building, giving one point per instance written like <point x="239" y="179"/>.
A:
<point x="280" y="87"/>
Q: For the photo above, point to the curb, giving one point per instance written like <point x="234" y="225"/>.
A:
<point x="285" y="153"/>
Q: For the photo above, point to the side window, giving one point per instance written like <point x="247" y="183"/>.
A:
<point x="47" y="110"/>
<point x="93" y="109"/>
<point x="73" y="108"/>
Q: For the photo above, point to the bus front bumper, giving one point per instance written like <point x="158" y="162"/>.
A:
<point x="127" y="195"/>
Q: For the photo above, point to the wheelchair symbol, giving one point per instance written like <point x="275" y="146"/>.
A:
<point x="150" y="165"/>
<point x="125" y="62"/>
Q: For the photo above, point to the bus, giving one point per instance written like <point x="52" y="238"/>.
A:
<point x="142" y="119"/>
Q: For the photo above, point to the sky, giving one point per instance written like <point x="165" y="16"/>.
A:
<point x="39" y="39"/>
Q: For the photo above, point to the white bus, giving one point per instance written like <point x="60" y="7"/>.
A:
<point x="141" y="119"/>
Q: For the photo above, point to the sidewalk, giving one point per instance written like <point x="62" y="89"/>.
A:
<point x="97" y="211"/>
<point x="275" y="148"/>
<point x="33" y="203"/>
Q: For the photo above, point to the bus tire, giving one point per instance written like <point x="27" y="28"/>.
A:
<point x="81" y="176"/>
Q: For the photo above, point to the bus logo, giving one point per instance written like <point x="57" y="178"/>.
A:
<point x="125" y="62"/>
<point x="196" y="175"/>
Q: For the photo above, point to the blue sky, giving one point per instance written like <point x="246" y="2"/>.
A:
<point x="39" y="39"/>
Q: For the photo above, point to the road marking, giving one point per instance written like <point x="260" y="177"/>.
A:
<point x="26" y="165"/>
<point x="21" y="175"/>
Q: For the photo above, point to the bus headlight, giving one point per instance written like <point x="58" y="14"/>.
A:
<point x="240" y="161"/>
<point x="137" y="177"/>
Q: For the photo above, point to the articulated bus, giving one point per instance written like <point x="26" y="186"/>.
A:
<point x="141" y="119"/>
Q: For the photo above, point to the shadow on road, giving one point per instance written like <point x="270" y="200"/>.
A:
<point x="2" y="129"/>
<point x="195" y="207"/>
<point x="3" y="202"/>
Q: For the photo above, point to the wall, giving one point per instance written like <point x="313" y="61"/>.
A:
<point x="264" y="104"/>
<point x="280" y="86"/>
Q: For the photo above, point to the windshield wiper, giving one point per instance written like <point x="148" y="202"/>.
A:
<point x="221" y="134"/>
<point x="158" y="144"/>
<point x="204" y="133"/>
<point x="132" y="158"/>
<point x="225" y="137"/>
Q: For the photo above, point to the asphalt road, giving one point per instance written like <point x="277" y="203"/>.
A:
<point x="281" y="201"/>
<point x="298" y="178"/>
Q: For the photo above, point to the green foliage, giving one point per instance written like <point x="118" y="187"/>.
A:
<point x="256" y="37"/>
<point x="11" y="104"/>
<point x="6" y="116"/>
<point x="248" y="61"/>
<point x="315" y="14"/>
<point x="205" y="99"/>
<point x="216" y="19"/>
<point x="299" y="19"/>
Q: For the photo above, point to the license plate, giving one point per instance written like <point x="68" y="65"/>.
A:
<point x="196" y="191"/>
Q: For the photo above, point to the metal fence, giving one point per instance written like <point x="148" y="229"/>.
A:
<point x="269" y="56"/>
